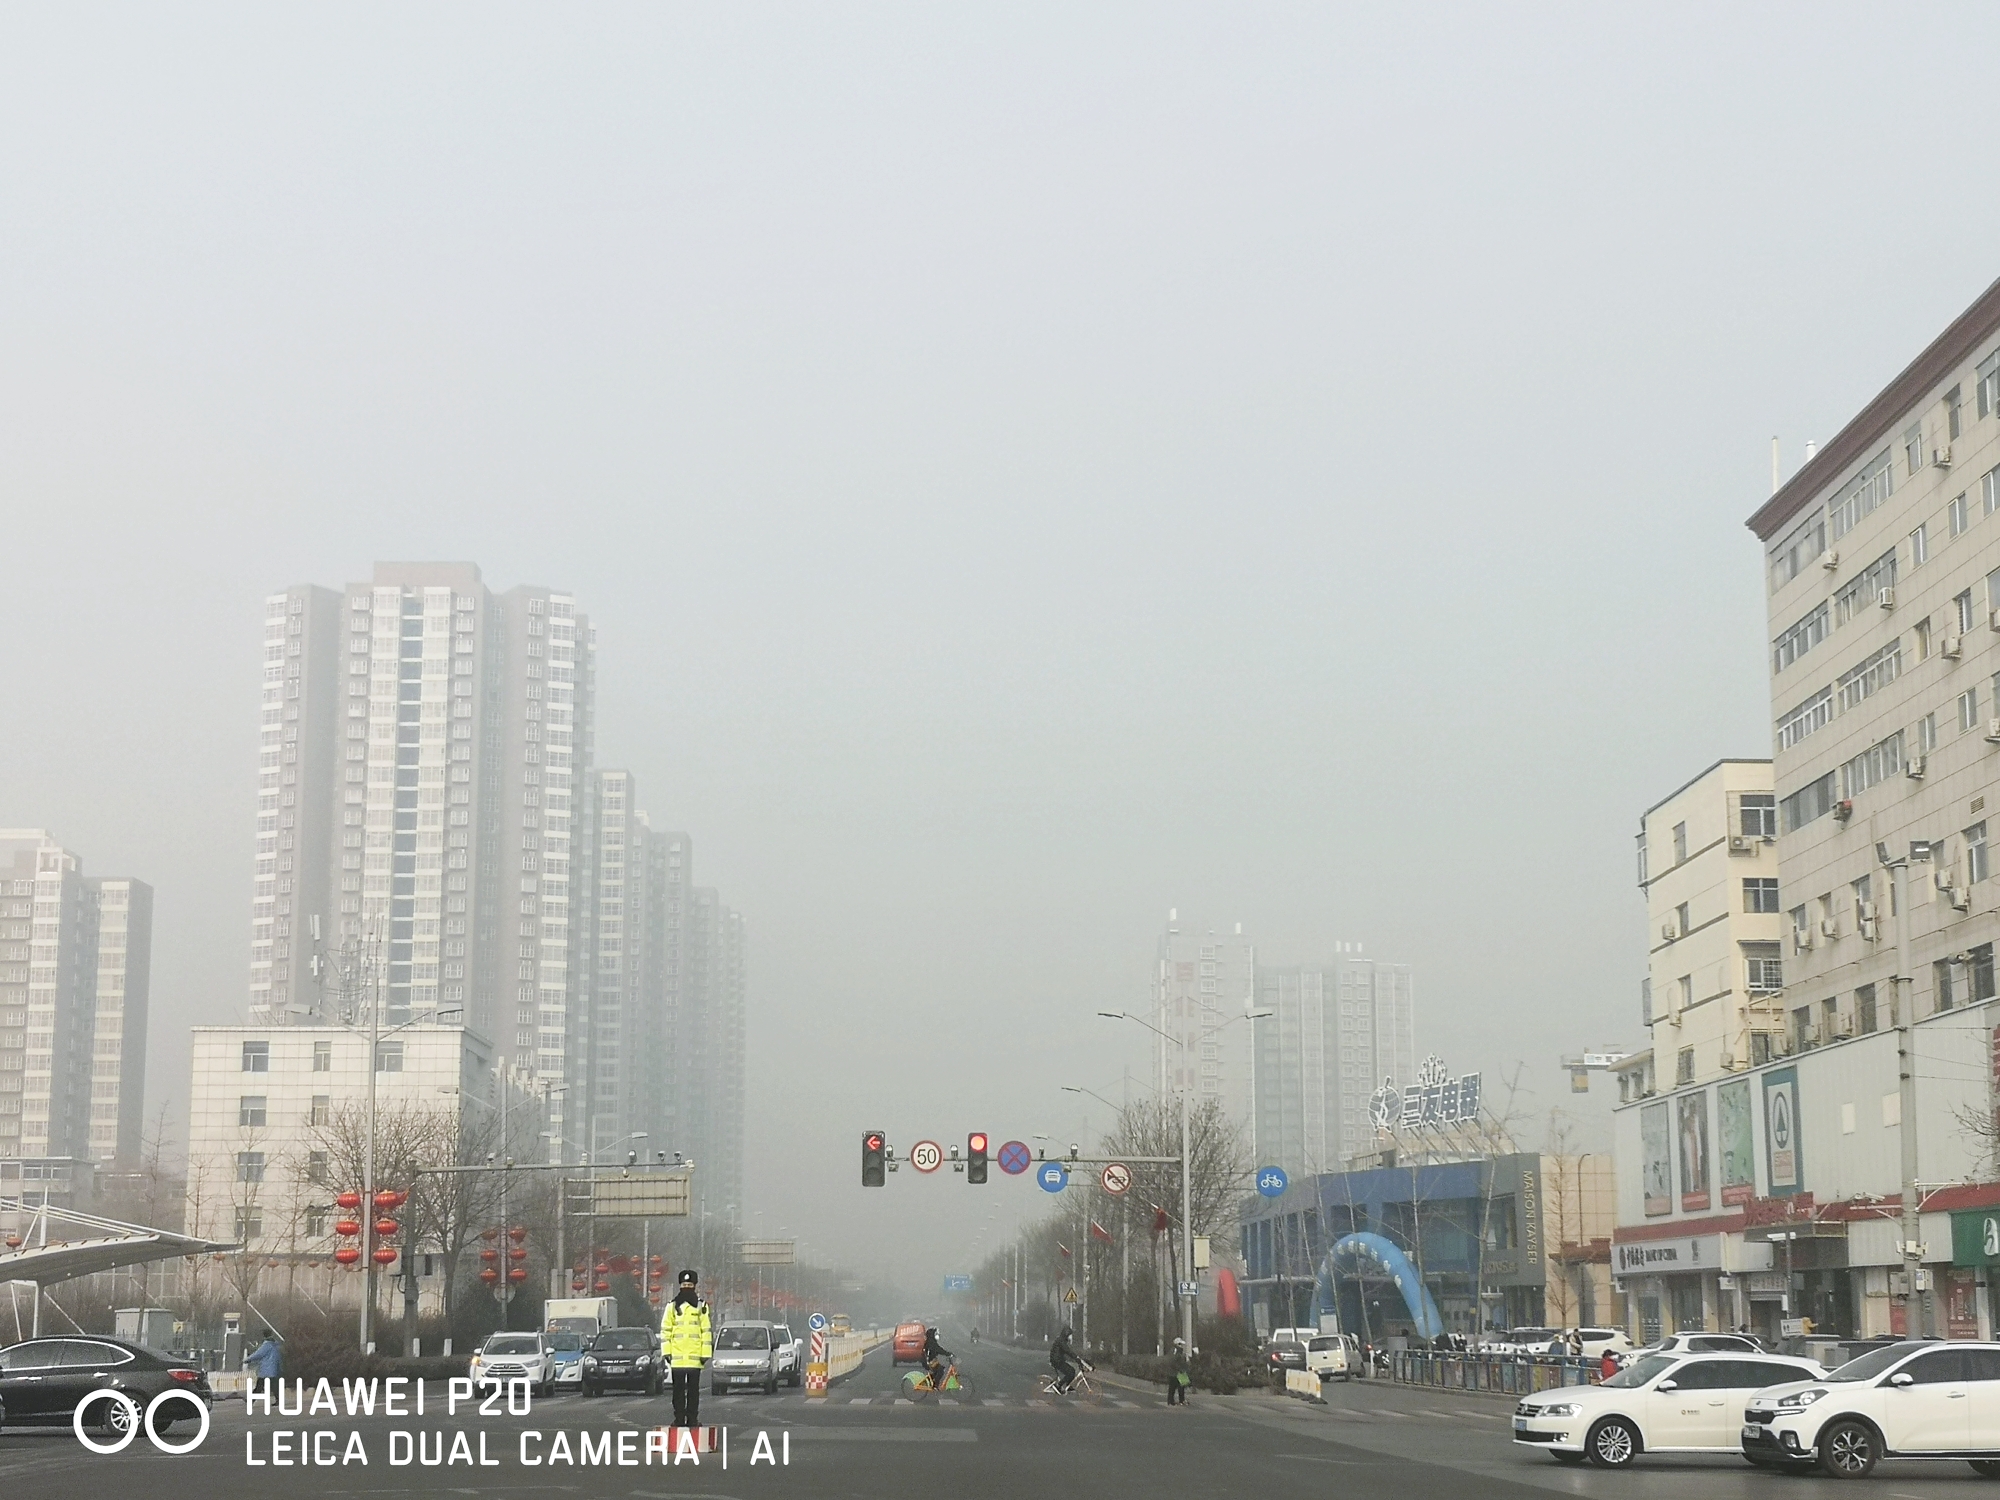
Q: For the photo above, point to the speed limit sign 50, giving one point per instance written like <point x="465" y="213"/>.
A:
<point x="925" y="1156"/>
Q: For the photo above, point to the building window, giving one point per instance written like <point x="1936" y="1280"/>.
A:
<point x="1686" y="986"/>
<point x="1927" y="734"/>
<point x="1975" y="853"/>
<point x="322" y="1057"/>
<point x="1864" y="1009"/>
<point x="249" y="1223"/>
<point x="1861" y="496"/>
<point x="1801" y="931"/>
<point x="1873" y="766"/>
<point x="1764" y="973"/>
<point x="1913" y="447"/>
<point x="1989" y="491"/>
<point x="1966" y="617"/>
<point x="1920" y="545"/>
<point x="1979" y="971"/>
<point x="318" y="1219"/>
<point x="1680" y="843"/>
<point x="1682" y="924"/>
<point x="1760" y="1048"/>
<point x="322" y="1110"/>
<point x="1813" y="714"/>
<point x="1807" y="633"/>
<point x="1757" y="814"/>
<point x="1684" y="1066"/>
<point x="1645" y="1002"/>
<point x="1803" y="546"/>
<point x="250" y="1110"/>
<point x="1968" y="709"/>
<point x="318" y="1168"/>
<point x="1802" y="1029"/>
<point x="1761" y="894"/>
<point x="256" y="1057"/>
<point x="1957" y="513"/>
<point x="249" y="1166"/>
<point x="1942" y="985"/>
<point x="1954" y="402"/>
<point x="388" y="1057"/>
<point x="1872" y="673"/>
<point x="1988" y="373"/>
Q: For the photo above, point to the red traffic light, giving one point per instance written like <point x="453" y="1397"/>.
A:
<point x="977" y="1140"/>
<point x="873" y="1141"/>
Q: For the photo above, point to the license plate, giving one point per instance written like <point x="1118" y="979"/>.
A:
<point x="739" y="1380"/>
<point x="1520" y="1424"/>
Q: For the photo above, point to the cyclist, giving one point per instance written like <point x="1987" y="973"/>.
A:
<point x="1067" y="1365"/>
<point x="973" y="1334"/>
<point x="935" y="1354"/>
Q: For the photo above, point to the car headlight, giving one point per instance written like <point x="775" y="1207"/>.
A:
<point x="1798" y="1400"/>
<point x="590" y="1362"/>
<point x="1561" y="1409"/>
<point x="643" y="1360"/>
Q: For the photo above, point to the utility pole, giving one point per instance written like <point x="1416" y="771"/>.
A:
<point x="1919" y="1317"/>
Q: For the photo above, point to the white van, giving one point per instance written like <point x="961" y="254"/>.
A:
<point x="1333" y="1356"/>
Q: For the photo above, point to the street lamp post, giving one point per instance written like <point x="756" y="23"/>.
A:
<point x="1919" y="1316"/>
<point x="1187" y="1192"/>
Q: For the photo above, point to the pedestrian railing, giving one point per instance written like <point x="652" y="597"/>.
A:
<point x="1506" y="1374"/>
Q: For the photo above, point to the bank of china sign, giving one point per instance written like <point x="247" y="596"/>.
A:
<point x="1435" y="1098"/>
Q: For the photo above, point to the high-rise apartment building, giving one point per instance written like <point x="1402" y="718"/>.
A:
<point x="1337" y="1031"/>
<point x="75" y="960"/>
<point x="707" y="1070"/>
<point x="423" y="739"/>
<point x="1203" y="984"/>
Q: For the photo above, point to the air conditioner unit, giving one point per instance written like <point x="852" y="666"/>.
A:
<point x="1742" y="843"/>
<point x="1961" y="900"/>
<point x="1993" y="619"/>
<point x="1843" y="1031"/>
<point x="1886" y="598"/>
<point x="1941" y="457"/>
<point x="1866" y="926"/>
<point x="1914" y="767"/>
<point x="1829" y="560"/>
<point x="1782" y="1045"/>
<point x="1944" y="878"/>
<point x="1844" y="809"/>
<point x="1993" y="731"/>
<point x="1670" y="929"/>
<point x="1829" y="927"/>
<point x="1952" y="648"/>
<point x="1801" y="941"/>
<point x="1727" y="1060"/>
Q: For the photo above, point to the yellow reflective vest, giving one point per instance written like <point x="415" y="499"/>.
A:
<point x="685" y="1337"/>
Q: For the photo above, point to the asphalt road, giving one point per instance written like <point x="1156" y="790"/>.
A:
<point x="1003" y="1438"/>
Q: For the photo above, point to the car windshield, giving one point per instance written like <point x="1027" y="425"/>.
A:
<point x="782" y="1334"/>
<point x="741" y="1338"/>
<point x="566" y="1343"/>
<point x="1641" y="1370"/>
<point x="502" y="1343"/>
<point x="1532" y="1335"/>
<point x="622" y="1338"/>
<point x="1331" y="1341"/>
<point x="1873" y="1363"/>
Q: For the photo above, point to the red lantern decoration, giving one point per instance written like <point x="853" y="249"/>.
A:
<point x="386" y="1227"/>
<point x="13" y="1242"/>
<point x="489" y="1276"/>
<point x="620" y="1265"/>
<point x="384" y="1255"/>
<point x="578" y="1284"/>
<point x="517" y="1234"/>
<point x="517" y="1254"/>
<point x="348" y="1200"/>
<point x="387" y="1199"/>
<point x="347" y="1227"/>
<point x="489" y="1235"/>
<point x="659" y="1261"/>
<point x="489" y="1256"/>
<point x="517" y="1276"/>
<point x="602" y="1286"/>
<point x="347" y="1255"/>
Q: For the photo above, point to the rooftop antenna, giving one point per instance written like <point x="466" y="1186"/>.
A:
<point x="1811" y="449"/>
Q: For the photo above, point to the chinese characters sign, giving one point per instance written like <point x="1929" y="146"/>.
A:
<point x="1434" y="1099"/>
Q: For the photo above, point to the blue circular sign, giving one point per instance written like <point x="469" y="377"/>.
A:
<point x="1014" y="1158"/>
<point x="1272" y="1181"/>
<point x="817" y="1322"/>
<point x="1053" y="1176"/>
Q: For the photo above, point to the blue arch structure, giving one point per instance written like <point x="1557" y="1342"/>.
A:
<point x="1391" y="1262"/>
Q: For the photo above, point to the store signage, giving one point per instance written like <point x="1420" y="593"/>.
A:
<point x="1702" y="1252"/>
<point x="1435" y="1098"/>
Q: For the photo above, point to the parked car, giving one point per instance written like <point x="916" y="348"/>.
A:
<point x="1290" y="1336"/>
<point x="1286" y="1356"/>
<point x="744" y="1355"/>
<point x="1917" y="1399"/>
<point x="1598" y="1342"/>
<point x="1333" y="1356"/>
<point x="1700" y="1343"/>
<point x="1660" y="1403"/>
<point x="516" y="1356"/>
<point x="622" y="1359"/>
<point x="44" y="1380"/>
<point x="906" y="1346"/>
<point x="791" y="1354"/>
<point x="567" y="1348"/>
<point x="1522" y="1341"/>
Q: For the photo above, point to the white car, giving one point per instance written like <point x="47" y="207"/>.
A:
<point x="791" y="1355"/>
<point x="1704" y="1343"/>
<point x="1522" y="1341"/>
<point x="1659" y="1403"/>
<point x="1598" y="1342"/>
<point x="516" y="1356"/>
<point x="1916" y="1399"/>
<point x="1333" y="1356"/>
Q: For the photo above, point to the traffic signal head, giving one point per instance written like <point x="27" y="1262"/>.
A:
<point x="874" y="1150"/>
<point x="975" y="1156"/>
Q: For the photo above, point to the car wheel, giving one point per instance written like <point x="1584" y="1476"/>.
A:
<point x="1986" y="1468"/>
<point x="1612" y="1444"/>
<point x="1572" y="1459"/>
<point x="1848" y="1450"/>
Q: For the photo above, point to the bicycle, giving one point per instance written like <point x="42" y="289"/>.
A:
<point x="918" y="1386"/>
<point x="1082" y="1388"/>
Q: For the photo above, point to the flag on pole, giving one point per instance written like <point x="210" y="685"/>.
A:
<point x="1098" y="1231"/>
<point x="1062" y="1247"/>
<point x="1159" y="1219"/>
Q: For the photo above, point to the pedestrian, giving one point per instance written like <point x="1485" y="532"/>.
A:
<point x="267" y="1360"/>
<point x="1576" y="1343"/>
<point x="688" y="1343"/>
<point x="1607" y="1366"/>
<point x="1178" y="1378"/>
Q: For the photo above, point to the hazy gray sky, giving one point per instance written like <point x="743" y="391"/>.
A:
<point x="1030" y="466"/>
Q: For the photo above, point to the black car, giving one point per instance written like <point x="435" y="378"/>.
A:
<point x="43" y="1380"/>
<point x="1285" y="1356"/>
<point x="622" y="1359"/>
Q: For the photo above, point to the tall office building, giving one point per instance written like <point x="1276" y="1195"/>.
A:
<point x="75" y="959"/>
<point x="708" y="1064"/>
<point x="422" y="740"/>
<point x="1203" y="985"/>
<point x="1336" y="1032"/>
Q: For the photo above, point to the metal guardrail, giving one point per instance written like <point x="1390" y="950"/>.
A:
<point x="1503" y="1374"/>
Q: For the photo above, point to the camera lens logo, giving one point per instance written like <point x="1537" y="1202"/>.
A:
<point x="126" y="1421"/>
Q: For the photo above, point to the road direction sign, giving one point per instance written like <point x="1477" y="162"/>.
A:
<point x="1190" y="1288"/>
<point x="1272" y="1181"/>
<point x="1053" y="1176"/>
<point x="1014" y="1158"/>
<point x="1117" y="1178"/>
<point x="958" y="1283"/>
<point x="817" y="1322"/>
<point x="925" y="1156"/>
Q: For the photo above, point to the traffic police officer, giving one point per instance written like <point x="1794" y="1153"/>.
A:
<point x="688" y="1343"/>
